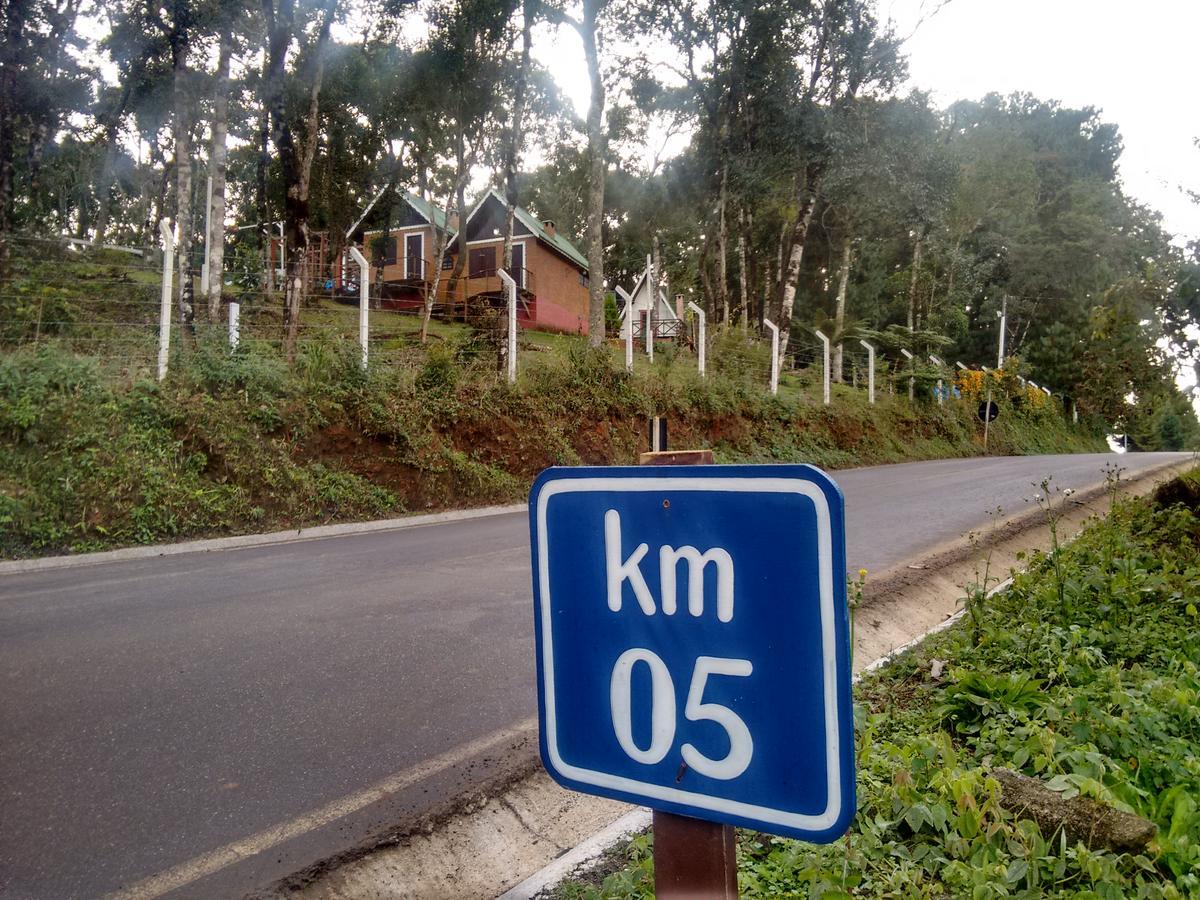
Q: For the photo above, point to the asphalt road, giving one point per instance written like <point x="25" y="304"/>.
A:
<point x="156" y="711"/>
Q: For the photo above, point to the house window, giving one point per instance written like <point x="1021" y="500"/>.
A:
<point x="583" y="279"/>
<point x="383" y="251"/>
<point x="482" y="262"/>
<point x="447" y="261"/>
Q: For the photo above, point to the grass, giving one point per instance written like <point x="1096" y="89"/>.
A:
<point x="1084" y="674"/>
<point x="94" y="453"/>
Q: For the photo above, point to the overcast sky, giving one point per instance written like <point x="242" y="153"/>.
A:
<point x="1134" y="59"/>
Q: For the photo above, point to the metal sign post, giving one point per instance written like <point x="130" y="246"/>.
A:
<point x="692" y="647"/>
<point x="911" y="379"/>
<point x="940" y="382"/>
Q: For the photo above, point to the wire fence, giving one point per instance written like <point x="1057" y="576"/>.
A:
<point x="108" y="304"/>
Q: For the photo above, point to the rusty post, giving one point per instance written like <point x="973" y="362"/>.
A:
<point x="692" y="858"/>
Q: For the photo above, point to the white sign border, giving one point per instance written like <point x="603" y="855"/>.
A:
<point x="731" y="484"/>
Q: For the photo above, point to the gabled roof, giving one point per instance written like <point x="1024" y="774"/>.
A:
<point x="556" y="241"/>
<point x="430" y="212"/>
<point x="661" y="298"/>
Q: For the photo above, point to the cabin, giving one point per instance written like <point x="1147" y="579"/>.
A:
<point x="648" y="302"/>
<point x="551" y="274"/>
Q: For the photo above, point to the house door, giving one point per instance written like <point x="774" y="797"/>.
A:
<point x="518" y="264"/>
<point x="414" y="255"/>
<point x="482" y="262"/>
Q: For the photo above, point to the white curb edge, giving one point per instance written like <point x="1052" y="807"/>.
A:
<point x="238" y="542"/>
<point x="604" y="839"/>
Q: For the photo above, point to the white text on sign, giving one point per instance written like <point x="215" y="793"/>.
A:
<point x="619" y="571"/>
<point x="663" y="719"/>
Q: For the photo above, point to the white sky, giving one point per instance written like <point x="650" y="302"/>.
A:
<point x="1135" y="61"/>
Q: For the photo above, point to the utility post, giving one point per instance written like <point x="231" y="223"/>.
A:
<point x="628" y="327"/>
<point x="824" y="367"/>
<point x="774" y="355"/>
<point x="700" y="336"/>
<point x="364" y="293"/>
<point x="870" y="371"/>
<point x="912" y="381"/>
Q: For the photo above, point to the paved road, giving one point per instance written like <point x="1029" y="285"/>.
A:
<point x="156" y="711"/>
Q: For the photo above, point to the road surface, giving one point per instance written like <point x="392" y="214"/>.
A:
<point x="205" y="723"/>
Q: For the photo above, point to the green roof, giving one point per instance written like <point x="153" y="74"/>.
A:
<point x="556" y="240"/>
<point x="430" y="212"/>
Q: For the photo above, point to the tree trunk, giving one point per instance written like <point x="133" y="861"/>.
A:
<point x="840" y="314"/>
<point x="15" y="14"/>
<point x="807" y="202"/>
<point x="266" y="230"/>
<point x="1081" y="818"/>
<point x="597" y="155"/>
<point x="912" y="285"/>
<point x="743" y="273"/>
<point x="181" y="127"/>
<point x="512" y="149"/>
<point x="218" y="155"/>
<point x="723" y="245"/>
<point x="280" y="28"/>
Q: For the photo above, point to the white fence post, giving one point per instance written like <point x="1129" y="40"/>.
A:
<point x="164" y="309"/>
<point x="870" y="371"/>
<point x="774" y="355"/>
<point x="824" y="367"/>
<point x="364" y="294"/>
<point x="653" y="292"/>
<point x="628" y="327"/>
<point x="699" y="334"/>
<point x="940" y="383"/>
<point x="911" y="379"/>
<point x="510" y="288"/>
<point x="235" y="310"/>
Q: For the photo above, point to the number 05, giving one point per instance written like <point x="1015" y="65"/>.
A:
<point x="662" y="713"/>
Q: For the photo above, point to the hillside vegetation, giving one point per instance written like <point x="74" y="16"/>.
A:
<point x="235" y="442"/>
<point x="1084" y="674"/>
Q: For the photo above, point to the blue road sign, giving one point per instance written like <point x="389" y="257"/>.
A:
<point x="692" y="642"/>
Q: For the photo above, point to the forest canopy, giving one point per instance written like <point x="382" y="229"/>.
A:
<point x="809" y="187"/>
